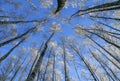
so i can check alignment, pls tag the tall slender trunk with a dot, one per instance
(17, 37)
(86, 64)
(107, 25)
(103, 7)
(16, 65)
(106, 40)
(108, 58)
(104, 49)
(17, 70)
(101, 17)
(76, 70)
(16, 22)
(53, 73)
(39, 62)
(23, 71)
(64, 60)
(35, 60)
(102, 65)
(9, 52)
(47, 65)
(61, 4)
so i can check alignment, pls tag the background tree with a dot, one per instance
(59, 40)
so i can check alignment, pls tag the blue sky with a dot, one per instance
(31, 13)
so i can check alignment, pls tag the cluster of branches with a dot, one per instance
(35, 72)
(99, 8)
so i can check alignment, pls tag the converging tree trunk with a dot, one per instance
(39, 62)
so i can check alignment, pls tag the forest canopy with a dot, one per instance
(59, 40)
